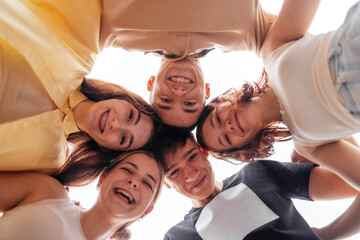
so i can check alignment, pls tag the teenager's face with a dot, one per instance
(178, 94)
(128, 190)
(117, 124)
(190, 172)
(230, 125)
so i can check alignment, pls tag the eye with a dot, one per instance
(123, 138)
(130, 115)
(127, 170)
(166, 100)
(191, 157)
(174, 172)
(218, 119)
(227, 139)
(189, 104)
(148, 185)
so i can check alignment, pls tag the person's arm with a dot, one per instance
(341, 157)
(325, 185)
(19, 188)
(292, 23)
(345, 225)
(296, 157)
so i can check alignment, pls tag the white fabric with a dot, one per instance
(55, 219)
(235, 212)
(300, 76)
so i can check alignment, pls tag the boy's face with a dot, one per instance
(190, 173)
(178, 92)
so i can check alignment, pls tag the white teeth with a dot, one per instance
(103, 121)
(180, 79)
(125, 194)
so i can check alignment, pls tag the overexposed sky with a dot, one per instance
(222, 71)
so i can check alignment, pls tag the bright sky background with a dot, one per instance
(222, 71)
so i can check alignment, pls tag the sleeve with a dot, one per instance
(292, 177)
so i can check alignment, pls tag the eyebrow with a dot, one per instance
(138, 118)
(183, 157)
(187, 110)
(137, 168)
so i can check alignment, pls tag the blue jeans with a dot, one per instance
(345, 60)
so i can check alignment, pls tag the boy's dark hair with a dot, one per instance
(168, 142)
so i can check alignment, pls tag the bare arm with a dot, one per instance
(325, 185)
(296, 157)
(19, 188)
(341, 157)
(346, 225)
(291, 24)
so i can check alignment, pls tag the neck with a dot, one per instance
(97, 223)
(200, 203)
(81, 112)
(269, 107)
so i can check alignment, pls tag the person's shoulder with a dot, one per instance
(45, 186)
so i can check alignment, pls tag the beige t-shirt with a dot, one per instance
(184, 27)
(300, 75)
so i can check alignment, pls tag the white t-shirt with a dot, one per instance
(300, 76)
(55, 219)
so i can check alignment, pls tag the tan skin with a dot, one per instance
(178, 92)
(114, 124)
(231, 125)
(189, 169)
(141, 182)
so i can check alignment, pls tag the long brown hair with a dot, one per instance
(88, 158)
(262, 145)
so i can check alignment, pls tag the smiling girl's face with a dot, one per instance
(128, 190)
(116, 124)
(230, 125)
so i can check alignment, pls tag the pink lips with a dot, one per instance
(238, 123)
(199, 183)
(124, 196)
(103, 120)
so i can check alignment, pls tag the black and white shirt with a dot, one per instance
(255, 203)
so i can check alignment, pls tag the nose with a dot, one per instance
(229, 127)
(191, 174)
(178, 90)
(132, 182)
(115, 124)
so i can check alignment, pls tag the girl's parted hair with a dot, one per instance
(262, 145)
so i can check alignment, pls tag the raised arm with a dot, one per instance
(19, 188)
(341, 157)
(325, 185)
(292, 23)
(346, 225)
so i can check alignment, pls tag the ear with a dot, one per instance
(101, 179)
(150, 83)
(207, 90)
(149, 210)
(206, 153)
(167, 185)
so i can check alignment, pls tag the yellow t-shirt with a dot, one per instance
(46, 48)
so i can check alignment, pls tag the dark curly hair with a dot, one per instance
(262, 145)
